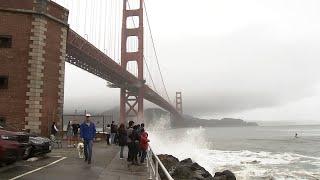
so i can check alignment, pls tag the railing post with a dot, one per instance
(156, 173)
(149, 165)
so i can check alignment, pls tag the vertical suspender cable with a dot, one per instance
(85, 17)
(154, 48)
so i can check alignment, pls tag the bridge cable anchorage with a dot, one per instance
(154, 48)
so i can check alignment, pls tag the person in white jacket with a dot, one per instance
(108, 132)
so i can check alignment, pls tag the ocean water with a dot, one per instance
(250, 152)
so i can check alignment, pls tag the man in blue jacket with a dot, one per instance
(87, 134)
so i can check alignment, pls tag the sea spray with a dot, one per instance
(191, 143)
(247, 164)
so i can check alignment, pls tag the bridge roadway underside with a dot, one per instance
(87, 57)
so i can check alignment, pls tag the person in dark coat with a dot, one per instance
(129, 141)
(136, 145)
(122, 137)
(113, 132)
(54, 129)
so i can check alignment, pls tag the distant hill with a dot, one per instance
(190, 121)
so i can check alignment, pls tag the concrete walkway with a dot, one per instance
(120, 169)
(106, 165)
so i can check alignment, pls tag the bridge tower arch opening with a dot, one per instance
(131, 98)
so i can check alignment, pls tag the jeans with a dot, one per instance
(121, 151)
(143, 155)
(112, 137)
(88, 149)
(108, 139)
(130, 152)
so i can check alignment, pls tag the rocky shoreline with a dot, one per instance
(189, 170)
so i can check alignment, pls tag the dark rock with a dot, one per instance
(224, 175)
(188, 170)
(182, 172)
(170, 162)
(186, 161)
(201, 170)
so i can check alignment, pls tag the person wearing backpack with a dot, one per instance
(135, 144)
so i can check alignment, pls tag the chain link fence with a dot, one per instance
(101, 121)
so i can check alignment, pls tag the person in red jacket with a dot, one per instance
(144, 144)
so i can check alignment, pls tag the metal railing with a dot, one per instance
(153, 163)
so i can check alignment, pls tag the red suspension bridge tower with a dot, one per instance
(131, 102)
(179, 102)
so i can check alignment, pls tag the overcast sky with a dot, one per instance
(250, 59)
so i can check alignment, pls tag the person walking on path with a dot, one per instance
(144, 144)
(129, 141)
(87, 134)
(69, 133)
(108, 132)
(113, 132)
(75, 128)
(122, 133)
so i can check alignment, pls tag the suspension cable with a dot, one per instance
(154, 48)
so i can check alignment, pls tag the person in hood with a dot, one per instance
(144, 144)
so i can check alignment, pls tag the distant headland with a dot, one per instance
(190, 121)
(153, 114)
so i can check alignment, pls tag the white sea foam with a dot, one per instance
(192, 143)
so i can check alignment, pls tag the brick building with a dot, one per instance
(33, 37)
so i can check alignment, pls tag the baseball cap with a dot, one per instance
(88, 115)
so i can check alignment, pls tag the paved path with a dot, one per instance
(106, 165)
(121, 170)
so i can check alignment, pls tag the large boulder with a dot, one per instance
(189, 170)
(170, 162)
(224, 175)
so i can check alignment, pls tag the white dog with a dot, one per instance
(80, 148)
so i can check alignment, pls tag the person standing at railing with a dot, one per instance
(129, 141)
(144, 144)
(122, 134)
(136, 144)
(140, 128)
